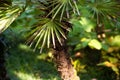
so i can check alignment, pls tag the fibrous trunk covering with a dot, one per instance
(64, 65)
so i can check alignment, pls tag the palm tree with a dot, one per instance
(51, 33)
(53, 26)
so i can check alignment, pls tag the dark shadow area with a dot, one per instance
(3, 72)
(90, 58)
(23, 64)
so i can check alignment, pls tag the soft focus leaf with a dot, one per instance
(113, 60)
(115, 69)
(95, 44)
(115, 41)
(86, 24)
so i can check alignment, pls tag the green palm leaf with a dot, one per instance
(46, 35)
(7, 16)
(103, 9)
(61, 7)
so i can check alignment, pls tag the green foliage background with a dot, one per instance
(98, 58)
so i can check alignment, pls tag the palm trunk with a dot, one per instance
(64, 65)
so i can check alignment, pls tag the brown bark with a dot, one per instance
(64, 65)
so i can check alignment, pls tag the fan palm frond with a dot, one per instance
(103, 8)
(47, 32)
(63, 6)
(7, 16)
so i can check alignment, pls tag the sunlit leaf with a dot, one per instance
(86, 24)
(7, 16)
(106, 63)
(111, 65)
(95, 44)
(113, 60)
(115, 69)
(115, 41)
(78, 66)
